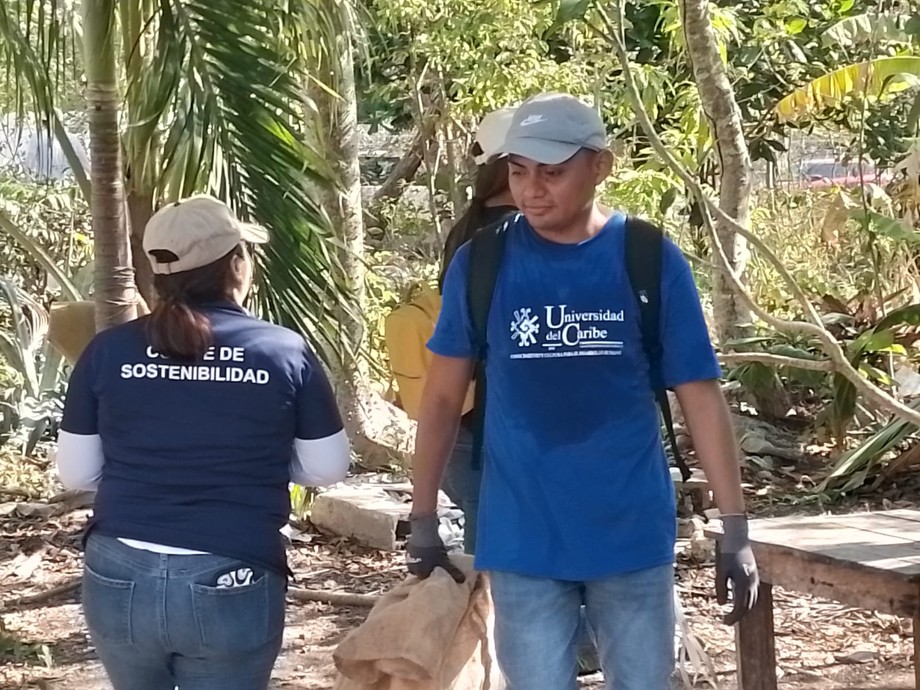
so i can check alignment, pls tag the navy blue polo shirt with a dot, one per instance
(197, 455)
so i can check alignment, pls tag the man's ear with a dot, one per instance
(603, 163)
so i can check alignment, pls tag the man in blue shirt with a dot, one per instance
(577, 503)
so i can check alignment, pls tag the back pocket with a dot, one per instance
(107, 607)
(233, 620)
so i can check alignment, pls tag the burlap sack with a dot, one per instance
(424, 635)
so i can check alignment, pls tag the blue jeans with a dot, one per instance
(461, 484)
(632, 616)
(158, 621)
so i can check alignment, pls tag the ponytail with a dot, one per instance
(461, 233)
(179, 331)
(491, 181)
(178, 327)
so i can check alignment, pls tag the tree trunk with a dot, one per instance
(140, 209)
(375, 427)
(408, 165)
(722, 111)
(454, 174)
(115, 294)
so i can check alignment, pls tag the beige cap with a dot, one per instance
(199, 230)
(491, 133)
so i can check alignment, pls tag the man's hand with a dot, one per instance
(426, 551)
(735, 563)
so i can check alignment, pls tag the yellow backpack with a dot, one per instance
(407, 329)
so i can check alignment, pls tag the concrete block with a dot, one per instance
(366, 513)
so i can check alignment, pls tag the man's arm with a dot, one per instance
(709, 422)
(710, 426)
(439, 418)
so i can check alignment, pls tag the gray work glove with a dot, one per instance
(425, 549)
(735, 563)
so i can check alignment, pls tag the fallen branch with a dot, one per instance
(333, 598)
(305, 595)
(736, 358)
(830, 345)
(42, 597)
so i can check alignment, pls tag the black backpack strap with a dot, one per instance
(486, 250)
(644, 243)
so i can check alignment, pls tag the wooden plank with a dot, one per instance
(829, 535)
(755, 645)
(882, 523)
(903, 514)
(882, 544)
(849, 583)
(896, 556)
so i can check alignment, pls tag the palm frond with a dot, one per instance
(27, 336)
(228, 99)
(37, 42)
(41, 256)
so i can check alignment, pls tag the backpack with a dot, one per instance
(644, 243)
(406, 331)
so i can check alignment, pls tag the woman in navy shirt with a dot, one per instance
(190, 423)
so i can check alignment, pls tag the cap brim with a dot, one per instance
(255, 234)
(486, 158)
(541, 150)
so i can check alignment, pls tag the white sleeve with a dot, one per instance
(322, 461)
(79, 460)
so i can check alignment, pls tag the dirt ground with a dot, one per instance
(45, 645)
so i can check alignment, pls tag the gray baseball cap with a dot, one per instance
(550, 128)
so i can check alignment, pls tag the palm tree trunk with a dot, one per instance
(115, 294)
(718, 100)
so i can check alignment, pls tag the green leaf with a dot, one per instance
(887, 226)
(905, 316)
(796, 25)
(872, 78)
(30, 326)
(787, 350)
(863, 28)
(45, 260)
(843, 405)
(568, 11)
(872, 340)
(876, 374)
(736, 343)
(913, 27)
(571, 9)
(871, 451)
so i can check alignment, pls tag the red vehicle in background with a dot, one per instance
(823, 173)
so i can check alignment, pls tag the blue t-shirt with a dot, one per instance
(576, 484)
(197, 455)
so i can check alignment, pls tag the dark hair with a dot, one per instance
(177, 327)
(491, 181)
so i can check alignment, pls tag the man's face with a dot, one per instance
(553, 197)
